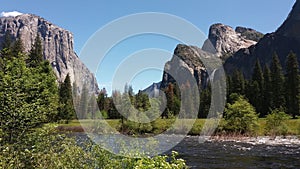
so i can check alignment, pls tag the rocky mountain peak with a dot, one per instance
(57, 44)
(225, 40)
(281, 42)
(291, 26)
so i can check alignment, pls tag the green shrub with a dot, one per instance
(45, 148)
(275, 123)
(240, 118)
(131, 127)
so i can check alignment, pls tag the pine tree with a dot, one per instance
(66, 109)
(292, 85)
(17, 47)
(36, 53)
(28, 98)
(267, 92)
(170, 96)
(205, 101)
(7, 41)
(258, 75)
(5, 52)
(277, 83)
(101, 99)
(255, 94)
(142, 101)
(238, 82)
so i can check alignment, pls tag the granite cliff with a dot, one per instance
(57, 44)
(223, 40)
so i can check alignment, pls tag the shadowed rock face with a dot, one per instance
(225, 40)
(249, 33)
(153, 90)
(282, 42)
(187, 58)
(57, 45)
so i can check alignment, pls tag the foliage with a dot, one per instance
(240, 117)
(44, 147)
(293, 85)
(28, 95)
(256, 87)
(66, 108)
(28, 98)
(275, 123)
(278, 95)
(205, 101)
(267, 92)
(36, 53)
(173, 102)
(238, 82)
(7, 42)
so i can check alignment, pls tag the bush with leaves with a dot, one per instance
(46, 148)
(275, 123)
(240, 117)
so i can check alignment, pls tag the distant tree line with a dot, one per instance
(269, 88)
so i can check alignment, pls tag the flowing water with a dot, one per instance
(226, 154)
(237, 155)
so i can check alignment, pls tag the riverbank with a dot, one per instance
(161, 125)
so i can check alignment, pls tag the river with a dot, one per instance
(237, 155)
(230, 154)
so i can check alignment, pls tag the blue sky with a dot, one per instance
(84, 18)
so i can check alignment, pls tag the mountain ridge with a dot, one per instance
(284, 40)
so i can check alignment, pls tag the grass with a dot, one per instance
(161, 125)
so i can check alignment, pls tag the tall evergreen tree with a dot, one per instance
(101, 99)
(258, 74)
(173, 103)
(66, 109)
(142, 101)
(7, 41)
(36, 53)
(205, 102)
(292, 85)
(28, 98)
(267, 92)
(277, 83)
(238, 82)
(17, 47)
(256, 88)
(5, 52)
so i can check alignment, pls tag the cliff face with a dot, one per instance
(225, 40)
(57, 45)
(153, 90)
(186, 57)
(281, 42)
(249, 33)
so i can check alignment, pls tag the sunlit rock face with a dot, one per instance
(57, 44)
(225, 40)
